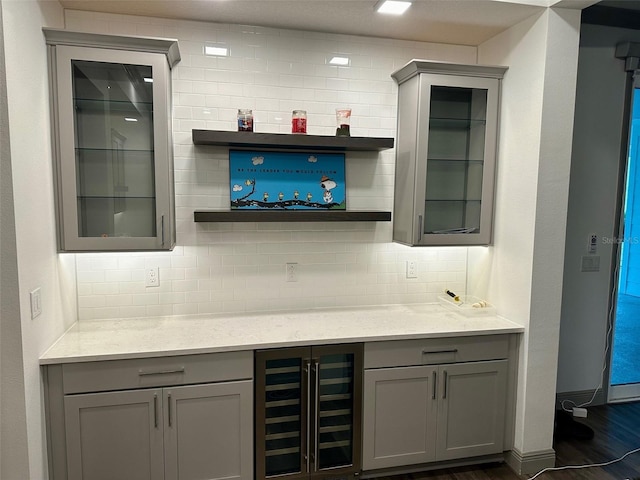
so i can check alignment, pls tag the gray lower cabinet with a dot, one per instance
(454, 406)
(171, 427)
(114, 435)
(399, 421)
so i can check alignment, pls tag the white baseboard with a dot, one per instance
(529, 463)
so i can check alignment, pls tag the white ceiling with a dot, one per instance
(464, 22)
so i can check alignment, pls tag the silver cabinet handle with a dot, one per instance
(435, 385)
(155, 410)
(169, 408)
(434, 352)
(143, 373)
(162, 228)
(419, 227)
(444, 384)
(307, 369)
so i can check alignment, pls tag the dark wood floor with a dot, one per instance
(617, 431)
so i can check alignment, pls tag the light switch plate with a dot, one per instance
(591, 263)
(35, 297)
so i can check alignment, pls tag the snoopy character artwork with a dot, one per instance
(287, 181)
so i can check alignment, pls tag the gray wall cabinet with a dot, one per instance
(111, 116)
(160, 430)
(445, 153)
(448, 401)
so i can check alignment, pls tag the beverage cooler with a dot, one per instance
(308, 412)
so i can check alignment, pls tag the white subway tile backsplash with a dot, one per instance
(240, 267)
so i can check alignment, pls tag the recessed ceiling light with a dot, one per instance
(216, 51)
(339, 61)
(393, 7)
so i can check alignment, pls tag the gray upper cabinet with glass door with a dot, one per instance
(445, 153)
(111, 112)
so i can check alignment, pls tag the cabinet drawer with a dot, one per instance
(435, 351)
(156, 372)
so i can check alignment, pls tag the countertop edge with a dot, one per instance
(59, 360)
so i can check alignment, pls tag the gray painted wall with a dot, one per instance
(597, 160)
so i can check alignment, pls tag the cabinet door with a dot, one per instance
(114, 160)
(399, 416)
(456, 159)
(337, 394)
(282, 422)
(209, 431)
(114, 435)
(308, 411)
(471, 410)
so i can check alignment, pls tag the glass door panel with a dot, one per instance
(308, 412)
(624, 372)
(335, 410)
(114, 149)
(283, 416)
(455, 160)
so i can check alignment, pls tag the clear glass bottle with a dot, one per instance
(299, 121)
(245, 120)
(343, 120)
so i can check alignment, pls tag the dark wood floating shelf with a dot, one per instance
(291, 216)
(285, 141)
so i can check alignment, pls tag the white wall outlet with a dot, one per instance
(291, 272)
(152, 277)
(412, 269)
(36, 302)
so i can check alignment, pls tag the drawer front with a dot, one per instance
(156, 372)
(434, 351)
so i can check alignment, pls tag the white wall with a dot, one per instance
(598, 147)
(219, 268)
(13, 435)
(533, 178)
(38, 264)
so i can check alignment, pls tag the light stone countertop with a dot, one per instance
(158, 337)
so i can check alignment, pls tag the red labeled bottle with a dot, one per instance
(299, 121)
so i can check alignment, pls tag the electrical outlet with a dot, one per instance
(36, 302)
(412, 269)
(152, 277)
(291, 272)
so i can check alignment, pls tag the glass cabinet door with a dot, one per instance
(308, 412)
(114, 171)
(455, 158)
(283, 416)
(446, 145)
(282, 398)
(113, 122)
(458, 168)
(335, 412)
